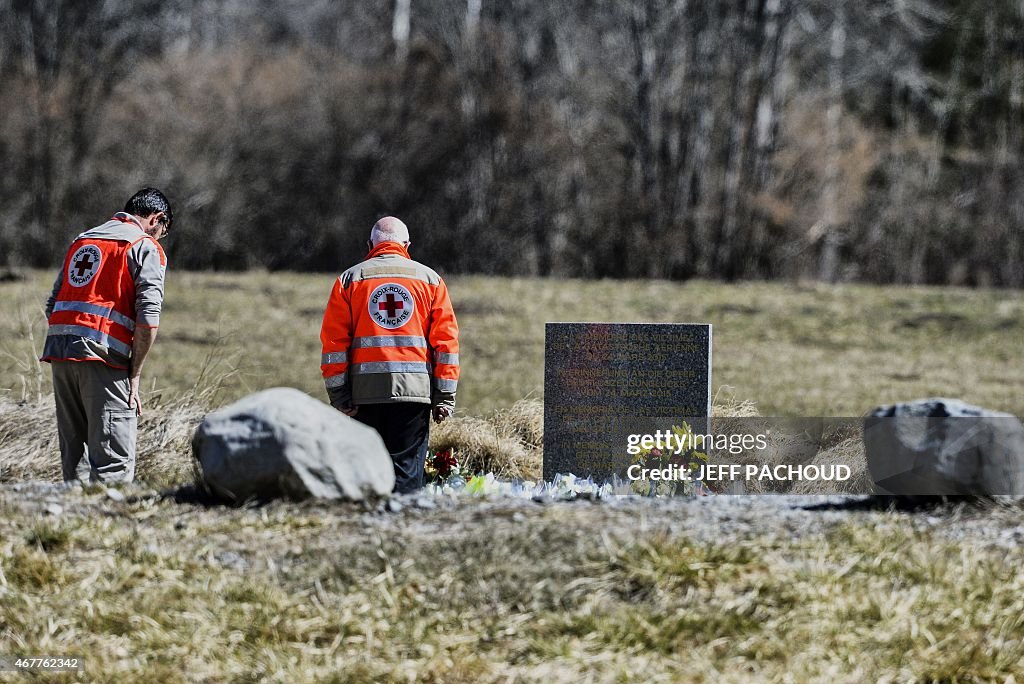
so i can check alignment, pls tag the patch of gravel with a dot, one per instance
(714, 519)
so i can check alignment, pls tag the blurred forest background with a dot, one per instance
(876, 140)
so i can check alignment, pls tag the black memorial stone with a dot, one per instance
(605, 381)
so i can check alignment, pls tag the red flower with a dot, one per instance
(444, 462)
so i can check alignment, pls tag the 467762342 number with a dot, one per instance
(41, 664)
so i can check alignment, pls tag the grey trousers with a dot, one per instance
(94, 420)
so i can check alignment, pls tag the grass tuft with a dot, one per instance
(32, 569)
(509, 443)
(48, 536)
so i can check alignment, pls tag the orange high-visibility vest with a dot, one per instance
(389, 331)
(97, 298)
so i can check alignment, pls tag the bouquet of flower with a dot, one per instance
(442, 466)
(689, 460)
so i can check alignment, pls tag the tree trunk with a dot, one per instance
(832, 237)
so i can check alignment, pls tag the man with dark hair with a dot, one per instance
(391, 348)
(147, 202)
(103, 315)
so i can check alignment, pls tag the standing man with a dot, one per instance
(103, 314)
(391, 348)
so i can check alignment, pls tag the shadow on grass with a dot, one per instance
(891, 502)
(197, 495)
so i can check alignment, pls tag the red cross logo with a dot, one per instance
(391, 305)
(83, 265)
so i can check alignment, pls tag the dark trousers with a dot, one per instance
(404, 427)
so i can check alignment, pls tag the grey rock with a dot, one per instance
(115, 495)
(283, 443)
(231, 559)
(934, 447)
(53, 508)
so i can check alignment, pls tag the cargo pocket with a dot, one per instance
(118, 445)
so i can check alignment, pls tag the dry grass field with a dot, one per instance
(793, 349)
(653, 591)
(726, 589)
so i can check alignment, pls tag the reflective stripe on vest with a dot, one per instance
(389, 341)
(336, 381)
(389, 367)
(333, 357)
(445, 385)
(95, 309)
(91, 334)
(450, 359)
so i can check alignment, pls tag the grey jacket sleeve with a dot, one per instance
(52, 299)
(148, 274)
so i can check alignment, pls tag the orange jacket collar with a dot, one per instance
(388, 248)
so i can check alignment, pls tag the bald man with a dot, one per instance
(390, 348)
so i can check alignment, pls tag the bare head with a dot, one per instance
(389, 229)
(152, 210)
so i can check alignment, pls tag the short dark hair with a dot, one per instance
(149, 201)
